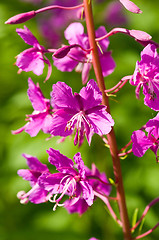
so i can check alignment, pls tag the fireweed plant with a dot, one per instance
(74, 186)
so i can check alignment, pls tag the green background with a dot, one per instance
(141, 175)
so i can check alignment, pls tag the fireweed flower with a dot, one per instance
(32, 59)
(71, 180)
(142, 141)
(81, 60)
(146, 75)
(42, 114)
(68, 181)
(82, 112)
(36, 194)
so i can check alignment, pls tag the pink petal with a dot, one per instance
(27, 36)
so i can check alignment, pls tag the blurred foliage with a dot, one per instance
(141, 176)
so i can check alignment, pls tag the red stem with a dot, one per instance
(122, 82)
(148, 232)
(57, 7)
(156, 200)
(106, 201)
(127, 145)
(111, 136)
(125, 153)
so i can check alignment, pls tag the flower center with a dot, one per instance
(77, 121)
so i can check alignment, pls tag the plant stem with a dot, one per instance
(111, 136)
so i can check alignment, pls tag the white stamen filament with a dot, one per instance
(80, 116)
(68, 182)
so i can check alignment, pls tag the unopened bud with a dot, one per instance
(130, 6)
(62, 52)
(21, 18)
(140, 35)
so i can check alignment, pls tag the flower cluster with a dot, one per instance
(74, 180)
(73, 185)
(79, 56)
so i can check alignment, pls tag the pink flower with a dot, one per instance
(32, 59)
(80, 112)
(81, 60)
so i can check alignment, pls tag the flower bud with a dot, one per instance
(62, 52)
(21, 18)
(130, 6)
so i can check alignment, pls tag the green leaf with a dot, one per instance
(134, 218)
(141, 225)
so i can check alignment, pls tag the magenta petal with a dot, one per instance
(140, 143)
(80, 164)
(152, 126)
(73, 33)
(27, 36)
(58, 125)
(34, 127)
(30, 60)
(91, 94)
(34, 164)
(80, 206)
(149, 51)
(19, 130)
(62, 96)
(101, 122)
(87, 191)
(36, 97)
(65, 64)
(51, 182)
(151, 102)
(107, 63)
(39, 195)
(59, 160)
(27, 175)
